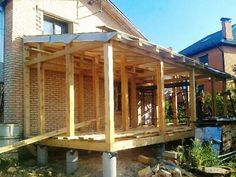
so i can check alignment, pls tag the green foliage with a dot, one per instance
(203, 155)
(7, 160)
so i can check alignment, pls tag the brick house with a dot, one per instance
(48, 17)
(217, 50)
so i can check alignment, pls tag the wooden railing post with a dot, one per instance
(193, 114)
(225, 100)
(213, 95)
(70, 96)
(124, 95)
(41, 98)
(160, 97)
(26, 96)
(109, 94)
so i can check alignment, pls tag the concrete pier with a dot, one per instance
(71, 161)
(42, 155)
(109, 164)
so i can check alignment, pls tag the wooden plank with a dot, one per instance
(134, 109)
(41, 137)
(124, 95)
(67, 50)
(96, 93)
(70, 96)
(138, 142)
(192, 87)
(109, 94)
(213, 95)
(26, 96)
(175, 106)
(160, 108)
(41, 98)
(225, 100)
(76, 144)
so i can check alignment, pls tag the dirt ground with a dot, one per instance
(90, 163)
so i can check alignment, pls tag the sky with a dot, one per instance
(177, 23)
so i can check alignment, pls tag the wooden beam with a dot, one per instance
(26, 97)
(41, 98)
(134, 110)
(160, 97)
(67, 50)
(96, 93)
(175, 106)
(109, 94)
(124, 95)
(213, 95)
(192, 87)
(76, 144)
(70, 96)
(40, 137)
(225, 100)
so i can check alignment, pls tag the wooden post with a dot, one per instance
(225, 100)
(134, 110)
(26, 97)
(175, 106)
(124, 95)
(70, 96)
(96, 93)
(192, 87)
(41, 98)
(160, 97)
(109, 94)
(213, 95)
(81, 97)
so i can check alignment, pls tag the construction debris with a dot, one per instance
(145, 160)
(146, 172)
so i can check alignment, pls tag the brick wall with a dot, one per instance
(26, 18)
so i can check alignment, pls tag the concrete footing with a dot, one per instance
(71, 161)
(109, 164)
(42, 155)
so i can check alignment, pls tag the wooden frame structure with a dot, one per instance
(112, 56)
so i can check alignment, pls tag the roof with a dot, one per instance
(150, 48)
(211, 41)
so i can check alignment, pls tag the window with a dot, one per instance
(204, 59)
(200, 88)
(54, 26)
(1, 34)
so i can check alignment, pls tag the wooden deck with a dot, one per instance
(123, 139)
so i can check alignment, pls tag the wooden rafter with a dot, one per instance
(67, 50)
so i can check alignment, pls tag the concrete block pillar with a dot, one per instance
(109, 164)
(160, 148)
(71, 161)
(42, 155)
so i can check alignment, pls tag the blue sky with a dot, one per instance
(177, 23)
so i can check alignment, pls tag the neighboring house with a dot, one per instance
(217, 50)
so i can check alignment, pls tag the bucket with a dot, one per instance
(10, 133)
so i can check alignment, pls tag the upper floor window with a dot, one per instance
(204, 59)
(54, 26)
(1, 33)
